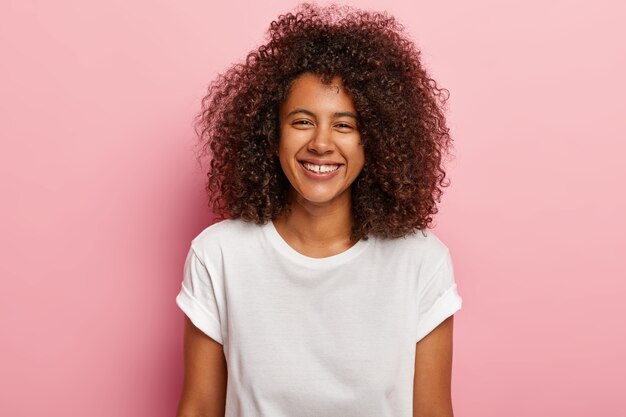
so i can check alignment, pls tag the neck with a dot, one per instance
(317, 231)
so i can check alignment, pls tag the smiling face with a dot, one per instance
(320, 147)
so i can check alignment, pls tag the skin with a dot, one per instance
(317, 123)
(433, 373)
(204, 384)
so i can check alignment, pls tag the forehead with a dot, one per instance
(308, 91)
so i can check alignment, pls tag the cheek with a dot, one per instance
(359, 157)
(288, 146)
(283, 151)
(285, 157)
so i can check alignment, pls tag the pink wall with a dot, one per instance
(101, 196)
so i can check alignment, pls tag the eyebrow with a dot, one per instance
(310, 113)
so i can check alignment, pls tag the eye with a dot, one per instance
(344, 127)
(302, 123)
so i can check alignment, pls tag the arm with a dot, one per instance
(433, 373)
(204, 386)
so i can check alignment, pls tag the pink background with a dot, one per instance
(102, 195)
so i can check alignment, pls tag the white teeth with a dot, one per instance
(320, 168)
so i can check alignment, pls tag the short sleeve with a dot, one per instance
(438, 297)
(197, 297)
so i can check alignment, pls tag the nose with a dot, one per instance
(322, 141)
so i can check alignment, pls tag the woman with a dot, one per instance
(321, 293)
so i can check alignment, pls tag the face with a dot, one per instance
(320, 147)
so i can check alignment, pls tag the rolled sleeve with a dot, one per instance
(438, 298)
(197, 298)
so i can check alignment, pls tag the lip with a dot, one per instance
(321, 175)
(316, 161)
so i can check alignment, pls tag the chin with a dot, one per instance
(319, 199)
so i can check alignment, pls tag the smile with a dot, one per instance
(319, 169)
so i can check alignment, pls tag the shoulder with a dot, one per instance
(225, 233)
(424, 242)
(423, 249)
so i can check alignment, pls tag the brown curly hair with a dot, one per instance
(399, 109)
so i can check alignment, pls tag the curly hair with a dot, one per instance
(399, 113)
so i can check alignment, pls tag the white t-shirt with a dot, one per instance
(317, 337)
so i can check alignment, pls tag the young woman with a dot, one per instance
(321, 292)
